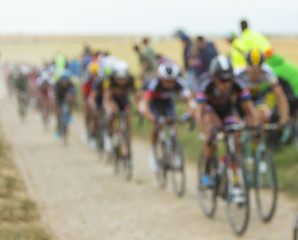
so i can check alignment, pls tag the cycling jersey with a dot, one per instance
(161, 98)
(259, 88)
(61, 91)
(119, 92)
(223, 105)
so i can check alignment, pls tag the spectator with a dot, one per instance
(147, 60)
(190, 72)
(206, 51)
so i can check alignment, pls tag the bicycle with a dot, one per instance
(64, 121)
(261, 172)
(45, 111)
(229, 181)
(101, 125)
(23, 104)
(169, 156)
(121, 148)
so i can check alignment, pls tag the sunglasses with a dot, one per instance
(224, 80)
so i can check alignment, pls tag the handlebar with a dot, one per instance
(239, 127)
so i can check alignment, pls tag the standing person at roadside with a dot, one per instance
(206, 52)
(190, 73)
(148, 61)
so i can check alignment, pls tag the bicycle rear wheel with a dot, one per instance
(265, 185)
(177, 170)
(207, 194)
(161, 156)
(238, 206)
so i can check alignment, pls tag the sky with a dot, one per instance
(139, 17)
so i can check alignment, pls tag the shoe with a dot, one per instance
(236, 195)
(152, 161)
(207, 181)
(93, 145)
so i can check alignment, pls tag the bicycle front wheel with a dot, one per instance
(177, 170)
(237, 195)
(126, 156)
(207, 193)
(265, 185)
(161, 156)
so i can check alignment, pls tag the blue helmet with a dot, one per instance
(65, 75)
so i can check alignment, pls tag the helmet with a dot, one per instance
(221, 67)
(65, 75)
(255, 58)
(120, 69)
(93, 67)
(24, 69)
(168, 71)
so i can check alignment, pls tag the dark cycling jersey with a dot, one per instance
(259, 88)
(61, 91)
(223, 105)
(155, 91)
(161, 98)
(121, 91)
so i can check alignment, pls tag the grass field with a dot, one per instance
(37, 49)
(19, 217)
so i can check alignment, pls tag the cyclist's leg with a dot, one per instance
(210, 119)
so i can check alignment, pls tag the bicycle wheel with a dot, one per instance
(126, 156)
(207, 194)
(114, 156)
(237, 195)
(265, 185)
(161, 156)
(100, 135)
(177, 169)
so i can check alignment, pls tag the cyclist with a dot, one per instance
(217, 100)
(260, 80)
(116, 89)
(92, 77)
(158, 101)
(45, 94)
(21, 83)
(64, 91)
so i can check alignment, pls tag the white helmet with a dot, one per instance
(25, 70)
(168, 71)
(120, 69)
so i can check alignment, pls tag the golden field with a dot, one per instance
(37, 49)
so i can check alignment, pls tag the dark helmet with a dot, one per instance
(221, 67)
(255, 58)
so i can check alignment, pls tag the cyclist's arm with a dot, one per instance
(107, 96)
(283, 105)
(250, 112)
(91, 99)
(147, 112)
(199, 112)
